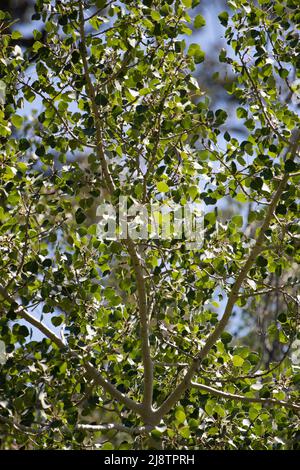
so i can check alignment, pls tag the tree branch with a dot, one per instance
(65, 124)
(115, 426)
(215, 335)
(92, 96)
(19, 427)
(23, 313)
(231, 396)
(144, 328)
(80, 426)
(138, 269)
(91, 371)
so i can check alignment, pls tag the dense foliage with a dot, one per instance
(125, 343)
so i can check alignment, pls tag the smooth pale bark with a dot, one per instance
(242, 398)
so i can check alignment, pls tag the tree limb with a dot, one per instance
(138, 269)
(242, 398)
(115, 426)
(80, 426)
(215, 335)
(91, 371)
(19, 427)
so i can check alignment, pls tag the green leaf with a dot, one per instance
(180, 415)
(241, 113)
(187, 3)
(223, 17)
(237, 361)
(17, 120)
(237, 220)
(31, 266)
(199, 22)
(257, 183)
(36, 46)
(290, 165)
(220, 411)
(226, 337)
(80, 216)
(162, 187)
(193, 191)
(196, 52)
(56, 321)
(282, 318)
(227, 136)
(241, 197)
(185, 432)
(101, 3)
(155, 15)
(23, 331)
(107, 446)
(16, 35)
(261, 261)
(101, 100)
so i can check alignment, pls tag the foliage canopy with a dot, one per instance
(133, 335)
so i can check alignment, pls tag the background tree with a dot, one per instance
(150, 350)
